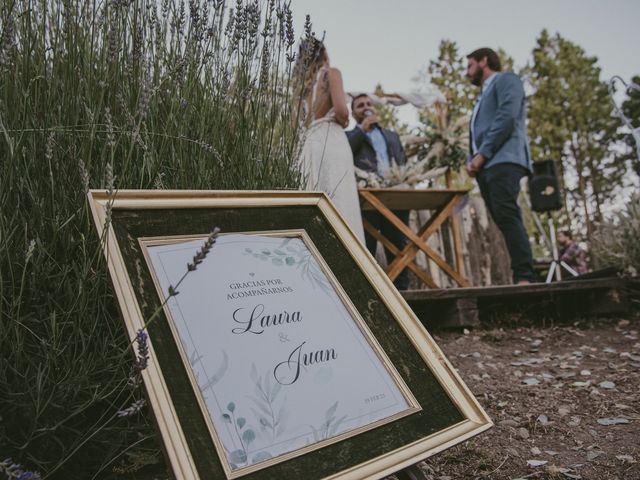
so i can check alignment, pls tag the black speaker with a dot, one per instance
(544, 187)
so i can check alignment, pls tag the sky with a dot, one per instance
(390, 41)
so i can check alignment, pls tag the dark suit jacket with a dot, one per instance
(364, 156)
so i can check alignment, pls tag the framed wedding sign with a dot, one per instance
(286, 352)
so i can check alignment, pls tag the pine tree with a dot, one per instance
(447, 73)
(445, 125)
(631, 110)
(388, 115)
(570, 120)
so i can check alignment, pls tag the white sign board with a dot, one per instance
(283, 362)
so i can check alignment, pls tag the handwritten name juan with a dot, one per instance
(288, 372)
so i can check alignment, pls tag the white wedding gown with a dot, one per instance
(327, 163)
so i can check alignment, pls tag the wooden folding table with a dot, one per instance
(442, 203)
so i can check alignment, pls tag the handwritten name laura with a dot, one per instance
(256, 320)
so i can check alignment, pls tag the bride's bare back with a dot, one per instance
(327, 97)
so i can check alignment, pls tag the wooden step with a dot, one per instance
(558, 301)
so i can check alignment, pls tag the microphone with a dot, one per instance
(368, 113)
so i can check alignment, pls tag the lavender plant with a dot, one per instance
(15, 471)
(116, 94)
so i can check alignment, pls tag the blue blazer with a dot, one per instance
(500, 124)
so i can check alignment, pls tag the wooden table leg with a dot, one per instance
(418, 241)
(435, 222)
(421, 274)
(457, 244)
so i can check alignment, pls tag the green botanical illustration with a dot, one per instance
(329, 426)
(238, 457)
(294, 254)
(272, 419)
(212, 380)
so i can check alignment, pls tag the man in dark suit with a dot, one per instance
(374, 149)
(499, 153)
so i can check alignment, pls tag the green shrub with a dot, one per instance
(114, 94)
(617, 243)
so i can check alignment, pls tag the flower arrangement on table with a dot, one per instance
(413, 174)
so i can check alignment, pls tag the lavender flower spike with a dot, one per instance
(14, 471)
(143, 349)
(132, 409)
(204, 251)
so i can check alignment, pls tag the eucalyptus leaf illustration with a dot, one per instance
(300, 257)
(245, 436)
(248, 436)
(284, 255)
(261, 457)
(238, 456)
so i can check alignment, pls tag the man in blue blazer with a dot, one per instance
(499, 153)
(374, 149)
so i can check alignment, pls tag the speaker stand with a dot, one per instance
(556, 265)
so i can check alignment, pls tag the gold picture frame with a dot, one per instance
(442, 412)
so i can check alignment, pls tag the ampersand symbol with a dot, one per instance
(283, 337)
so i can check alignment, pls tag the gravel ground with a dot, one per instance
(565, 402)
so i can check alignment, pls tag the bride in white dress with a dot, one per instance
(326, 157)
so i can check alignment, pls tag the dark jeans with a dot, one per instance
(500, 185)
(386, 228)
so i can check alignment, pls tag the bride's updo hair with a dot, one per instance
(312, 55)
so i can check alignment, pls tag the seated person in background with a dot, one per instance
(571, 253)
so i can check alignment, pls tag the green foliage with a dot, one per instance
(112, 95)
(506, 60)
(631, 110)
(571, 122)
(445, 126)
(616, 243)
(389, 116)
(447, 74)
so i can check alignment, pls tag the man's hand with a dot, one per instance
(475, 165)
(369, 121)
